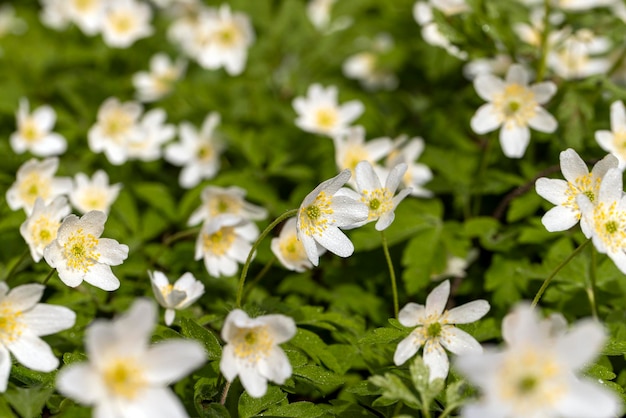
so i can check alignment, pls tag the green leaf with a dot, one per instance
(320, 378)
(296, 409)
(394, 389)
(191, 329)
(600, 372)
(315, 347)
(5, 409)
(419, 257)
(249, 406)
(158, 196)
(523, 206)
(28, 402)
(614, 348)
(383, 336)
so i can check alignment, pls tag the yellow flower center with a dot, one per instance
(124, 378)
(84, 5)
(379, 202)
(44, 230)
(252, 344)
(122, 22)
(94, 199)
(10, 324)
(516, 104)
(224, 203)
(619, 141)
(354, 155)
(326, 118)
(314, 218)
(586, 184)
(34, 185)
(292, 249)
(220, 241)
(116, 124)
(80, 251)
(205, 151)
(610, 226)
(30, 132)
(228, 35)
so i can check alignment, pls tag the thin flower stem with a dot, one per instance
(266, 231)
(258, 278)
(17, 263)
(558, 268)
(225, 393)
(591, 289)
(543, 58)
(425, 411)
(49, 276)
(392, 274)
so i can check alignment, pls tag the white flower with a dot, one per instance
(125, 376)
(125, 21)
(582, 5)
(536, 374)
(423, 15)
(351, 148)
(36, 179)
(117, 125)
(34, 132)
(23, 321)
(252, 352)
(379, 200)
(321, 214)
(86, 14)
(224, 242)
(217, 201)
(497, 65)
(290, 250)
(154, 133)
(78, 253)
(94, 194)
(513, 106)
(604, 218)
(157, 83)
(614, 141)
(436, 331)
(367, 66)
(54, 14)
(564, 193)
(416, 174)
(185, 291)
(576, 56)
(198, 152)
(319, 13)
(9, 22)
(320, 113)
(41, 226)
(229, 35)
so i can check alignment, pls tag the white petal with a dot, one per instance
(228, 363)
(111, 252)
(559, 218)
(253, 382)
(46, 319)
(169, 361)
(101, 276)
(605, 140)
(604, 165)
(170, 314)
(25, 296)
(543, 121)
(543, 91)
(618, 116)
(553, 190)
(336, 242)
(581, 344)
(347, 212)
(485, 119)
(33, 352)
(155, 402)
(436, 359)
(406, 349)
(5, 368)
(468, 312)
(310, 247)
(572, 166)
(590, 400)
(611, 188)
(514, 140)
(517, 74)
(459, 342)
(437, 299)
(487, 86)
(411, 315)
(366, 178)
(275, 367)
(282, 328)
(82, 383)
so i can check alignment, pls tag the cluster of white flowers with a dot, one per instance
(120, 22)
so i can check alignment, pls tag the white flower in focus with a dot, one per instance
(380, 201)
(577, 56)
(126, 21)
(217, 201)
(117, 125)
(228, 35)
(125, 376)
(78, 253)
(34, 132)
(87, 14)
(536, 374)
(94, 194)
(614, 141)
(185, 291)
(289, 249)
(252, 351)
(36, 179)
(224, 242)
(351, 148)
(320, 113)
(435, 330)
(321, 214)
(152, 86)
(198, 152)
(416, 174)
(513, 107)
(23, 321)
(154, 133)
(564, 193)
(604, 218)
(41, 226)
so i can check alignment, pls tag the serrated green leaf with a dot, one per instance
(614, 348)
(191, 329)
(394, 389)
(249, 406)
(383, 336)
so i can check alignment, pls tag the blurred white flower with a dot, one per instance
(94, 194)
(87, 14)
(116, 127)
(224, 242)
(368, 68)
(577, 55)
(185, 291)
(603, 219)
(513, 106)
(380, 201)
(423, 15)
(159, 81)
(217, 201)
(416, 174)
(125, 376)
(126, 21)
(289, 249)
(351, 148)
(564, 193)
(54, 14)
(23, 322)
(613, 141)
(252, 351)
(41, 226)
(9, 22)
(319, 13)
(320, 113)
(322, 213)
(34, 131)
(36, 179)
(582, 5)
(536, 374)
(435, 330)
(78, 253)
(154, 133)
(198, 151)
(497, 65)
